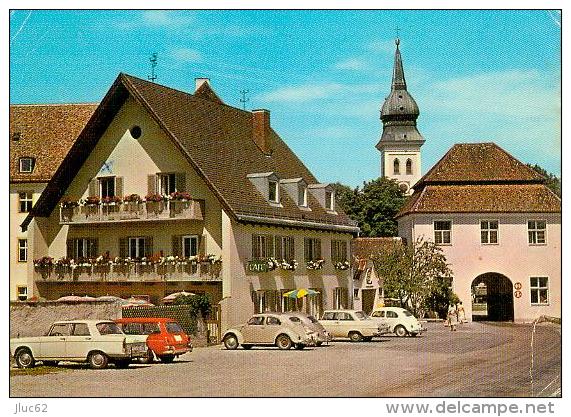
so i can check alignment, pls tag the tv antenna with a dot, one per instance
(153, 60)
(244, 100)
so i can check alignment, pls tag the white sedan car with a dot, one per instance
(400, 321)
(96, 342)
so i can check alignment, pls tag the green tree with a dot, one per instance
(373, 207)
(553, 181)
(412, 273)
(198, 303)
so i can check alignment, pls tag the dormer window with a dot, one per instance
(302, 197)
(273, 191)
(325, 194)
(27, 164)
(268, 184)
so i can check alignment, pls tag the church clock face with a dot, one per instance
(404, 187)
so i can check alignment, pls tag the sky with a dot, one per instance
(477, 75)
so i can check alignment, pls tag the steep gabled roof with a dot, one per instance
(481, 178)
(216, 140)
(45, 132)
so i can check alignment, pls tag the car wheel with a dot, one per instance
(123, 363)
(98, 360)
(166, 358)
(283, 342)
(231, 342)
(247, 347)
(24, 359)
(50, 363)
(400, 331)
(414, 334)
(148, 358)
(368, 338)
(355, 336)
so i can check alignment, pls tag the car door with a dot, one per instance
(331, 323)
(271, 330)
(53, 345)
(379, 316)
(253, 329)
(79, 342)
(346, 323)
(392, 319)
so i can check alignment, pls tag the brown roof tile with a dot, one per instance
(46, 133)
(489, 198)
(365, 247)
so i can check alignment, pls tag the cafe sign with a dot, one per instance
(258, 266)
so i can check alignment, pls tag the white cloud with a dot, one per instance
(310, 92)
(354, 64)
(186, 55)
(387, 47)
(157, 19)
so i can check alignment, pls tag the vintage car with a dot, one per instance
(165, 337)
(400, 321)
(354, 324)
(268, 329)
(312, 323)
(96, 342)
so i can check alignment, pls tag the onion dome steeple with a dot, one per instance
(399, 111)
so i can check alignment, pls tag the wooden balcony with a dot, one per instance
(129, 211)
(134, 272)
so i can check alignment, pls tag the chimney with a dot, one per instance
(261, 130)
(199, 81)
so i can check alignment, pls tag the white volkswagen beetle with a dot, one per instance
(400, 321)
(96, 342)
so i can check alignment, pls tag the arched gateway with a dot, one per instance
(492, 298)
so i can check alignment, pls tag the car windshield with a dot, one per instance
(312, 319)
(407, 313)
(361, 315)
(295, 319)
(108, 328)
(173, 327)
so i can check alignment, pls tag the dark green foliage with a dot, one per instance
(373, 207)
(199, 303)
(552, 181)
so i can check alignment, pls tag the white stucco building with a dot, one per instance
(500, 228)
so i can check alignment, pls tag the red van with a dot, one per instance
(166, 339)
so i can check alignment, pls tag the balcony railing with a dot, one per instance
(134, 272)
(133, 211)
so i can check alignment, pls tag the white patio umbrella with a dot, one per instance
(171, 297)
(137, 302)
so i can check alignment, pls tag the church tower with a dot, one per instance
(400, 141)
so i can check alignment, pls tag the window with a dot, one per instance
(328, 315)
(189, 246)
(344, 316)
(392, 315)
(256, 321)
(442, 232)
(273, 193)
(536, 232)
(27, 164)
(338, 251)
(329, 200)
(272, 321)
(378, 313)
(340, 298)
(167, 183)
(285, 248)
(22, 250)
(137, 247)
(312, 249)
(396, 167)
(135, 132)
(489, 231)
(82, 248)
(60, 330)
(172, 327)
(25, 202)
(262, 246)
(22, 293)
(107, 187)
(80, 329)
(302, 197)
(539, 290)
(408, 167)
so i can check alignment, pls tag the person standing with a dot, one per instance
(461, 313)
(452, 317)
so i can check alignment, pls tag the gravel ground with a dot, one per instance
(479, 359)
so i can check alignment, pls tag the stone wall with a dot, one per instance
(35, 318)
